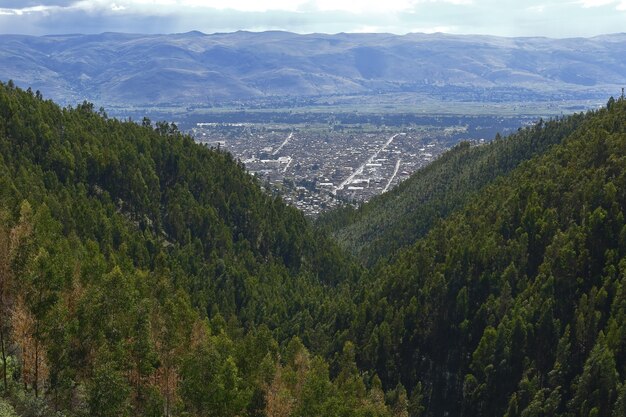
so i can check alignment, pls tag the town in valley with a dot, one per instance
(317, 167)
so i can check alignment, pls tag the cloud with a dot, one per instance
(378, 6)
(619, 4)
(29, 10)
(435, 29)
(351, 6)
(21, 4)
(540, 8)
(364, 6)
(559, 18)
(595, 3)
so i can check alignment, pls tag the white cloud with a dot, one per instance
(242, 5)
(556, 18)
(455, 2)
(350, 6)
(595, 3)
(364, 6)
(620, 5)
(368, 29)
(27, 10)
(377, 6)
(435, 29)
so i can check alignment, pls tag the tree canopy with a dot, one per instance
(144, 274)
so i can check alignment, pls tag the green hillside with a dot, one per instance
(514, 305)
(145, 275)
(398, 218)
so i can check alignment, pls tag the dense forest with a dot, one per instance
(144, 274)
(509, 301)
(395, 219)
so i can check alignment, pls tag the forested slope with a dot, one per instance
(515, 305)
(143, 274)
(398, 218)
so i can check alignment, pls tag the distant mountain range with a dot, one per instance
(195, 68)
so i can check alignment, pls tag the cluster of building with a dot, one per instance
(319, 168)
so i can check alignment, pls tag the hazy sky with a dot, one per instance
(561, 18)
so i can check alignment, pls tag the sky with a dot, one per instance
(558, 19)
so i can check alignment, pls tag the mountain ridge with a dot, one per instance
(196, 68)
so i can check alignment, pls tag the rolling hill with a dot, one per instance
(194, 68)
